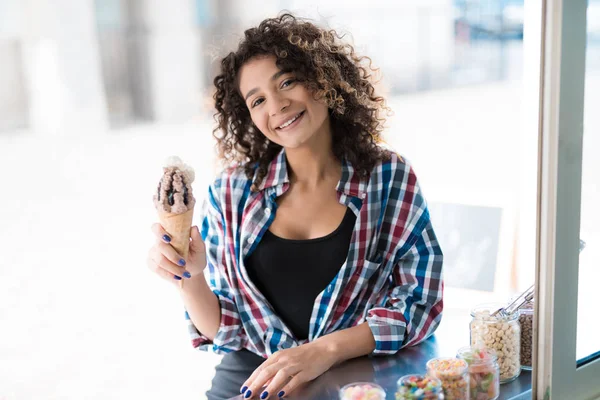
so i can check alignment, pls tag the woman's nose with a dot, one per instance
(279, 105)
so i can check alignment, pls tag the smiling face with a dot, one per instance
(280, 106)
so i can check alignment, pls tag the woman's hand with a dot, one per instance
(164, 260)
(286, 369)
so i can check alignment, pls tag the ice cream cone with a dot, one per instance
(178, 227)
(174, 202)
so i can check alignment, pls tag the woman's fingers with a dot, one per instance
(157, 262)
(166, 275)
(170, 254)
(274, 388)
(252, 378)
(259, 386)
(293, 384)
(163, 259)
(160, 233)
(154, 267)
(196, 245)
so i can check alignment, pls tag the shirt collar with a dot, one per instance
(351, 184)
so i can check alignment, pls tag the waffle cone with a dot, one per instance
(178, 227)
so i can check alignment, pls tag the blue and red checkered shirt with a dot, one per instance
(392, 277)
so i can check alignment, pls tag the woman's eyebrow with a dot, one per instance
(274, 77)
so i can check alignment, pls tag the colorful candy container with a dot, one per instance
(419, 387)
(362, 391)
(484, 372)
(454, 375)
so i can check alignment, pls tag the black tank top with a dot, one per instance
(292, 273)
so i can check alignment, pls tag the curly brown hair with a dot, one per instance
(328, 68)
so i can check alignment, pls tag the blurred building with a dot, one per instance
(76, 66)
(70, 66)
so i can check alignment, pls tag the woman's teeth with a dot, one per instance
(290, 121)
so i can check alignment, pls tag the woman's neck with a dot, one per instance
(313, 164)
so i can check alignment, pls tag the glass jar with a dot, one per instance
(526, 323)
(484, 372)
(362, 391)
(501, 334)
(454, 375)
(419, 387)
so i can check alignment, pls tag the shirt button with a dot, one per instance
(250, 240)
(363, 195)
(268, 211)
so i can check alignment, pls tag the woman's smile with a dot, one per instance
(291, 123)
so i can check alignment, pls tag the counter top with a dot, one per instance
(452, 334)
(385, 371)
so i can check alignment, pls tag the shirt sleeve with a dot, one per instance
(413, 309)
(231, 335)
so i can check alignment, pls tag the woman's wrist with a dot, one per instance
(347, 343)
(329, 347)
(201, 304)
(193, 285)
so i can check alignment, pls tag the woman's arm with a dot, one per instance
(213, 319)
(348, 343)
(202, 306)
(414, 304)
(308, 361)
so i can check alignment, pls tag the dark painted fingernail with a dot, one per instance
(243, 389)
(166, 238)
(187, 274)
(264, 395)
(181, 262)
(177, 278)
(281, 394)
(248, 394)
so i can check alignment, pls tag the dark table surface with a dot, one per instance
(385, 371)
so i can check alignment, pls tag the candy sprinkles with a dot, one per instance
(454, 375)
(419, 387)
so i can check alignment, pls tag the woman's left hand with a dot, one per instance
(286, 369)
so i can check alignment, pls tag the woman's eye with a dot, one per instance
(256, 102)
(287, 82)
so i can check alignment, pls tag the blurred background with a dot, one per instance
(97, 93)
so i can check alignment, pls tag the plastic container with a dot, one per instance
(501, 334)
(454, 375)
(484, 372)
(526, 323)
(362, 391)
(419, 387)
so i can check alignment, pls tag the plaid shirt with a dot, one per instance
(392, 277)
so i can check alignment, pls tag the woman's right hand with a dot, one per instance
(164, 260)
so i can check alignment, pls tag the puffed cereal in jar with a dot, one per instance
(526, 323)
(362, 391)
(484, 373)
(454, 375)
(419, 387)
(500, 333)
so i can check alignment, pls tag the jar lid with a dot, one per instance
(362, 391)
(418, 387)
(477, 355)
(484, 311)
(528, 305)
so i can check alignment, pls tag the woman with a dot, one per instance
(318, 244)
